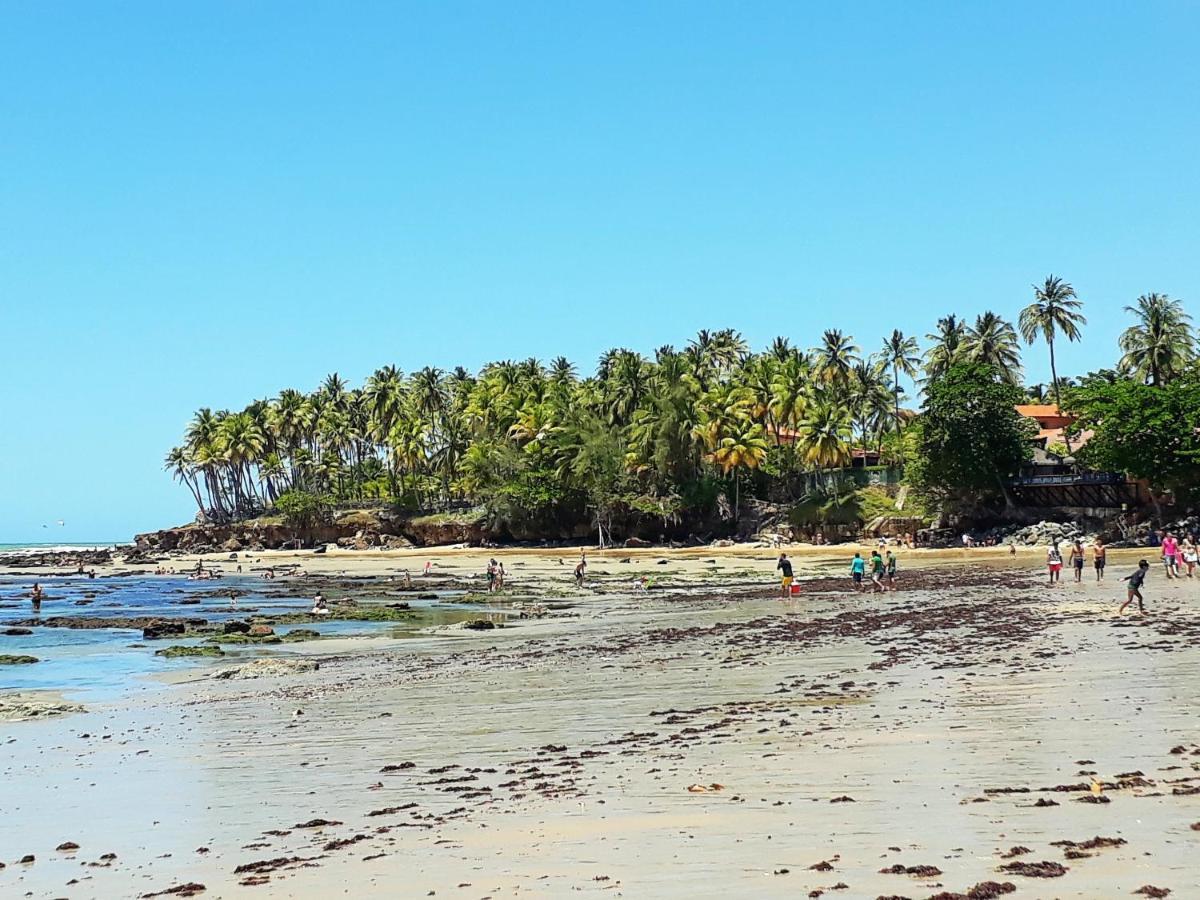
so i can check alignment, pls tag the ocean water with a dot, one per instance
(104, 663)
(56, 545)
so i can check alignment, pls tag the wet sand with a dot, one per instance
(834, 735)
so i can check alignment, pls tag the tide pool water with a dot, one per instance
(109, 662)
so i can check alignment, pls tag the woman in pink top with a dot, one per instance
(1170, 555)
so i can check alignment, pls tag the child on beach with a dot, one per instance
(858, 566)
(1188, 554)
(1135, 587)
(1054, 562)
(1077, 560)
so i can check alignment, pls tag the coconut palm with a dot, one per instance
(824, 436)
(946, 349)
(742, 447)
(1055, 310)
(993, 341)
(1161, 343)
(900, 353)
(835, 358)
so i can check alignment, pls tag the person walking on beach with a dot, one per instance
(1077, 560)
(1099, 554)
(499, 576)
(784, 568)
(876, 573)
(35, 597)
(491, 576)
(1170, 555)
(890, 570)
(858, 566)
(1054, 561)
(580, 572)
(1134, 591)
(1187, 553)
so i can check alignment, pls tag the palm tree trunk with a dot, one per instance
(1057, 392)
(896, 393)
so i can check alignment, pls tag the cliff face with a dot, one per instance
(358, 529)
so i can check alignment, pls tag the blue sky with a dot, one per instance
(201, 204)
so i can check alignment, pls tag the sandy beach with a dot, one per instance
(702, 738)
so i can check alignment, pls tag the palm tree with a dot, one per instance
(900, 353)
(947, 346)
(742, 447)
(993, 341)
(869, 394)
(835, 358)
(1055, 309)
(825, 435)
(180, 467)
(1161, 343)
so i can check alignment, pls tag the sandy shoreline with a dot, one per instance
(913, 705)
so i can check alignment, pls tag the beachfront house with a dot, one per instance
(1053, 478)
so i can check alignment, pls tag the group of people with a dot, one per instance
(495, 576)
(879, 572)
(1076, 559)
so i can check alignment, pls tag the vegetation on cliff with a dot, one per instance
(672, 437)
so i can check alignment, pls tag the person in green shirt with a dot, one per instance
(876, 573)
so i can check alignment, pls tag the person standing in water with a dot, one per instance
(1099, 554)
(1054, 561)
(858, 566)
(784, 568)
(35, 597)
(876, 573)
(890, 570)
(1077, 560)
(1134, 591)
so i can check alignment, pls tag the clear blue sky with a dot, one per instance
(203, 203)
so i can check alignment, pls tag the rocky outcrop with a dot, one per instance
(56, 559)
(16, 708)
(354, 529)
(269, 668)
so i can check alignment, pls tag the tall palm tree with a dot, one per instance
(825, 435)
(946, 349)
(1161, 342)
(180, 467)
(835, 357)
(742, 447)
(993, 341)
(900, 353)
(1055, 310)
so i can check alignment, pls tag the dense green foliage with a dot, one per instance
(302, 509)
(652, 443)
(970, 438)
(1148, 431)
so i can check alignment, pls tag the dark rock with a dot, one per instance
(159, 630)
